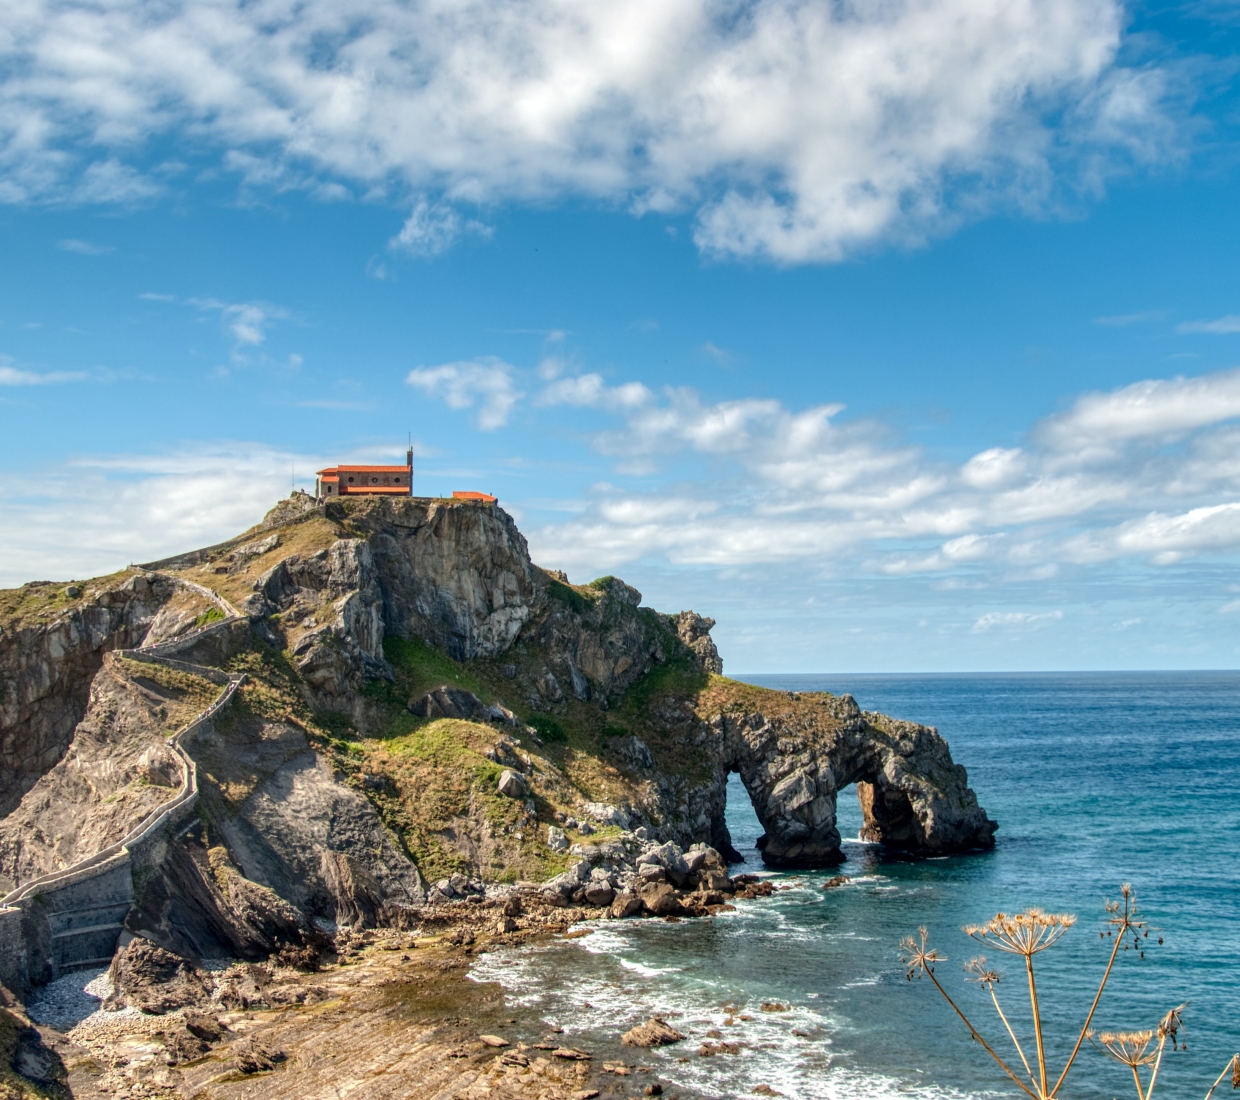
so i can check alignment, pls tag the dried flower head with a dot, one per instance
(980, 973)
(918, 957)
(1172, 1024)
(1024, 933)
(1235, 1071)
(1132, 1048)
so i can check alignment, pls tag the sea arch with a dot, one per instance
(912, 796)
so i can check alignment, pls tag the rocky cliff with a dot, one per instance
(423, 706)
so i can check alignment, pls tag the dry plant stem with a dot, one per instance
(976, 1035)
(1149, 1090)
(1037, 1023)
(1080, 1039)
(1015, 1041)
(1232, 1067)
(1137, 1078)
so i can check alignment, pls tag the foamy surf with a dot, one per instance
(733, 1044)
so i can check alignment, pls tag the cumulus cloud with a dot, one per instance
(487, 384)
(99, 513)
(796, 131)
(590, 391)
(1093, 484)
(245, 322)
(1145, 409)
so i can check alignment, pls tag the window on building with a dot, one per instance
(350, 481)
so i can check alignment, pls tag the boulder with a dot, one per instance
(655, 1032)
(625, 905)
(152, 980)
(662, 901)
(448, 702)
(599, 893)
(667, 856)
(556, 840)
(511, 784)
(606, 814)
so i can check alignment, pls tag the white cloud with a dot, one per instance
(486, 383)
(432, 228)
(110, 181)
(85, 248)
(995, 468)
(797, 131)
(98, 514)
(246, 322)
(1144, 409)
(17, 376)
(1220, 326)
(590, 391)
(1022, 620)
(1094, 484)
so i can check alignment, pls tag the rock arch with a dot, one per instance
(913, 797)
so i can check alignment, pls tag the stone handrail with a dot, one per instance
(188, 794)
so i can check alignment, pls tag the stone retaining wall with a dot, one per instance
(74, 917)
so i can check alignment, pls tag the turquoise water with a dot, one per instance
(1096, 779)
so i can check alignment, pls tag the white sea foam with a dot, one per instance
(647, 971)
(598, 986)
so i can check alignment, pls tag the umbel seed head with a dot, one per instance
(1023, 933)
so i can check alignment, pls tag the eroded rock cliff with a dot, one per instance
(333, 793)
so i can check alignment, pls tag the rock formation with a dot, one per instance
(424, 710)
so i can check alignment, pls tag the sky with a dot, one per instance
(894, 337)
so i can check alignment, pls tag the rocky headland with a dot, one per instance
(376, 726)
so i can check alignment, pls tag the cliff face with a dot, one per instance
(51, 647)
(342, 781)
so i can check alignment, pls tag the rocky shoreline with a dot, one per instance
(387, 1010)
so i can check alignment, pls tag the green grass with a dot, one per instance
(439, 743)
(419, 668)
(548, 728)
(679, 675)
(567, 595)
(212, 615)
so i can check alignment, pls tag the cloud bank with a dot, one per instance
(794, 130)
(1149, 472)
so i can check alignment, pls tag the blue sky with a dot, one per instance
(899, 338)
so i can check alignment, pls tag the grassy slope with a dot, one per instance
(41, 601)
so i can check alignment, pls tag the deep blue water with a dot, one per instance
(1096, 779)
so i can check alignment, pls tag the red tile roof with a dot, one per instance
(471, 495)
(365, 469)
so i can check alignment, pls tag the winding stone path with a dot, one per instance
(74, 917)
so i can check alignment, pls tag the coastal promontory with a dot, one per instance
(359, 710)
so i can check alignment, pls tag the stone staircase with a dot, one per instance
(74, 917)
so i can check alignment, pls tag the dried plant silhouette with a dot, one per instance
(1030, 933)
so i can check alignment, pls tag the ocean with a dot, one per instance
(1095, 778)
